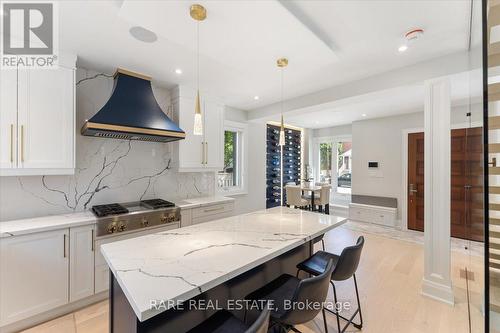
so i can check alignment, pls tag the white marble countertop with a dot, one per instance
(179, 264)
(45, 223)
(54, 222)
(201, 201)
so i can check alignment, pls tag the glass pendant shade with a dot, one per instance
(198, 124)
(282, 133)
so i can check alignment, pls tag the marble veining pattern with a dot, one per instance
(179, 264)
(107, 170)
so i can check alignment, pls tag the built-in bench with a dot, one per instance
(373, 209)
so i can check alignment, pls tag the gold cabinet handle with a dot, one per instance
(202, 152)
(206, 152)
(213, 209)
(11, 143)
(22, 143)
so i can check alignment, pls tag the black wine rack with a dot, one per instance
(291, 163)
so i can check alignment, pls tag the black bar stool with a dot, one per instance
(224, 322)
(310, 292)
(345, 268)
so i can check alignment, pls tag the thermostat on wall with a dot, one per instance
(373, 164)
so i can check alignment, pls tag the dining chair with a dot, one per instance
(324, 199)
(294, 196)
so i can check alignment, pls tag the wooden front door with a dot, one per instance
(466, 183)
(416, 181)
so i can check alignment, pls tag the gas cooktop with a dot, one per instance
(117, 209)
(130, 216)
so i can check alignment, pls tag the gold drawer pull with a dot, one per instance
(213, 209)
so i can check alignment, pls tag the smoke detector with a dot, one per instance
(410, 37)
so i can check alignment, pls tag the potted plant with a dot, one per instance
(307, 179)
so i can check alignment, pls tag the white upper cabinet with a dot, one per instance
(191, 149)
(199, 152)
(39, 106)
(8, 119)
(214, 135)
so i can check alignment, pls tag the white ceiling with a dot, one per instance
(328, 42)
(465, 88)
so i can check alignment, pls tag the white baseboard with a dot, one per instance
(52, 314)
(438, 291)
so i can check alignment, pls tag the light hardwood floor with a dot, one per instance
(389, 279)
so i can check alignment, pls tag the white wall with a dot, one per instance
(236, 114)
(256, 197)
(380, 140)
(332, 131)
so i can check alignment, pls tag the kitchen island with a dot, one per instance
(153, 278)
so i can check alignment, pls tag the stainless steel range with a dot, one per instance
(133, 216)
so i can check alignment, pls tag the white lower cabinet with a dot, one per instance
(206, 213)
(186, 217)
(34, 274)
(101, 268)
(81, 262)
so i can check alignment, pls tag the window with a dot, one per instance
(325, 162)
(230, 180)
(344, 153)
(332, 164)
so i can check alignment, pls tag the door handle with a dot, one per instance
(64, 246)
(412, 189)
(11, 143)
(92, 239)
(493, 162)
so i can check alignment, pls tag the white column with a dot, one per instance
(437, 246)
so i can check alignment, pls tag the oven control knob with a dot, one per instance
(163, 219)
(171, 217)
(122, 227)
(112, 228)
(144, 222)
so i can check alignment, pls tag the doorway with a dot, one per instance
(466, 183)
(332, 164)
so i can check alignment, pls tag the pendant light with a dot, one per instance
(198, 13)
(282, 63)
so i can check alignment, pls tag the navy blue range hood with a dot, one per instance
(132, 113)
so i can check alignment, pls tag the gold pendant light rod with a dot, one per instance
(198, 13)
(282, 63)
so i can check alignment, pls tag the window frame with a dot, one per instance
(334, 140)
(241, 159)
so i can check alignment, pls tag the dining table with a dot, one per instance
(312, 189)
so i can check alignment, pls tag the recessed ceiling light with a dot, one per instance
(143, 35)
(256, 98)
(178, 71)
(403, 48)
(363, 115)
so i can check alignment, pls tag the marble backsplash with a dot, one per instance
(107, 170)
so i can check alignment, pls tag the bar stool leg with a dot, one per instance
(335, 305)
(360, 325)
(324, 320)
